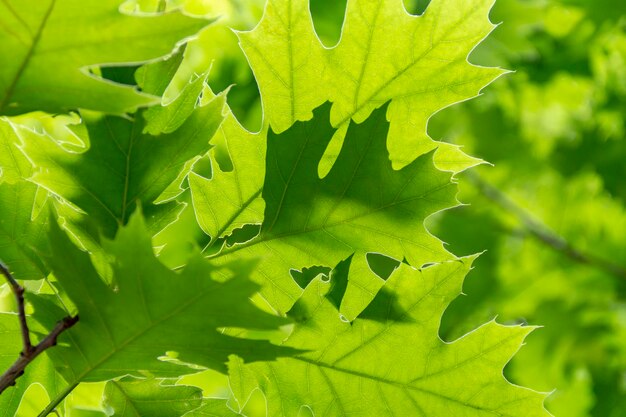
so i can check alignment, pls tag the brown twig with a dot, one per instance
(18, 291)
(29, 352)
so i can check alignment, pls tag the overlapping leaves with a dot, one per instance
(417, 62)
(296, 74)
(390, 360)
(48, 47)
(139, 398)
(362, 205)
(123, 165)
(273, 218)
(22, 223)
(152, 311)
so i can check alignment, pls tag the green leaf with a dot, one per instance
(287, 59)
(14, 166)
(22, 231)
(123, 166)
(390, 361)
(53, 43)
(362, 205)
(155, 78)
(152, 312)
(23, 225)
(167, 119)
(232, 197)
(418, 62)
(11, 339)
(214, 407)
(149, 398)
(81, 412)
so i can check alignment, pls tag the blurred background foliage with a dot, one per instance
(548, 208)
(550, 211)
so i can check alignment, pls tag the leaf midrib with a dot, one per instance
(151, 325)
(402, 71)
(29, 54)
(403, 385)
(128, 399)
(398, 384)
(349, 117)
(325, 226)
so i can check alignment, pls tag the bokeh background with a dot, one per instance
(548, 207)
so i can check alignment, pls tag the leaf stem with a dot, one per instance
(51, 408)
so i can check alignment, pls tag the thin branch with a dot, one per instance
(18, 291)
(29, 352)
(542, 232)
(17, 369)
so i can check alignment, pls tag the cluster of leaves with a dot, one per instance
(295, 260)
